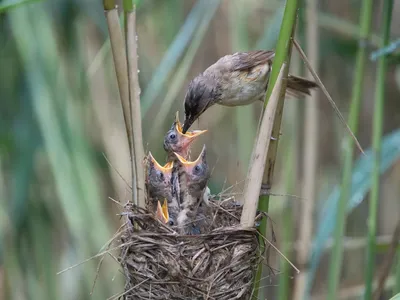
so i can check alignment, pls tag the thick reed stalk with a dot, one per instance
(283, 51)
(310, 154)
(121, 71)
(376, 146)
(257, 164)
(337, 252)
(134, 101)
(119, 57)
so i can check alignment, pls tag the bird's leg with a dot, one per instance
(265, 189)
(274, 138)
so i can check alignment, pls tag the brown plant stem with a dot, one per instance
(134, 104)
(121, 71)
(258, 157)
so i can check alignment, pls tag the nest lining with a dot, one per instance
(160, 263)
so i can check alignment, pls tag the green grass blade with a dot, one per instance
(71, 161)
(6, 5)
(181, 74)
(171, 57)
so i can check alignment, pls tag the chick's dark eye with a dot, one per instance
(172, 136)
(171, 223)
(161, 176)
(197, 169)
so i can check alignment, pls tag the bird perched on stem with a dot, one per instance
(234, 80)
(196, 174)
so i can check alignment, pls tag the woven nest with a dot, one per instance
(159, 263)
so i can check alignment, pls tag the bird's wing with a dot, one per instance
(245, 61)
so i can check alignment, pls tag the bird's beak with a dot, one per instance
(189, 165)
(166, 169)
(188, 122)
(191, 135)
(162, 211)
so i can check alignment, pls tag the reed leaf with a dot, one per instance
(174, 52)
(360, 185)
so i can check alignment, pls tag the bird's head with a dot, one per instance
(158, 177)
(196, 171)
(177, 141)
(202, 93)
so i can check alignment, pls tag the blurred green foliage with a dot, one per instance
(59, 112)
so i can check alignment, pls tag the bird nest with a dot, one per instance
(160, 263)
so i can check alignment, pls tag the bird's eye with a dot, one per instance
(171, 223)
(161, 175)
(197, 169)
(172, 136)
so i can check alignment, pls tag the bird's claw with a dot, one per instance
(265, 190)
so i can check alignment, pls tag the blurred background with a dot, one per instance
(64, 161)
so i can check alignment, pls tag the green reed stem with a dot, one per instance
(376, 147)
(283, 48)
(337, 251)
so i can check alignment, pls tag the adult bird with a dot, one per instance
(234, 80)
(196, 193)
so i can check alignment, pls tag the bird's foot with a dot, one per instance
(265, 190)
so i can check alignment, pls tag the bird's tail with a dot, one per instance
(300, 86)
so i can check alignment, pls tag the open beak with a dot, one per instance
(186, 125)
(166, 169)
(189, 165)
(162, 211)
(188, 137)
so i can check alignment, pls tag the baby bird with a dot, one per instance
(175, 141)
(234, 80)
(196, 174)
(158, 184)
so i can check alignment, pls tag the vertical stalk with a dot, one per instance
(287, 222)
(290, 170)
(119, 57)
(283, 50)
(310, 153)
(134, 101)
(121, 71)
(337, 251)
(376, 147)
